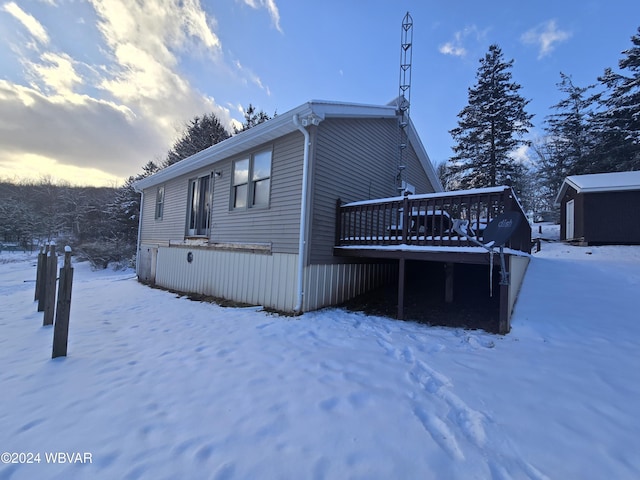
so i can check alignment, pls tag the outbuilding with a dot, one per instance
(600, 209)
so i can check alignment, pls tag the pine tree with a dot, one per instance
(252, 118)
(568, 146)
(491, 126)
(199, 134)
(125, 209)
(618, 122)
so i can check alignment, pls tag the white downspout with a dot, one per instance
(302, 242)
(139, 243)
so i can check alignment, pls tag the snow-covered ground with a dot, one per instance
(161, 387)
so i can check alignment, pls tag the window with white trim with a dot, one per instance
(252, 181)
(199, 206)
(159, 202)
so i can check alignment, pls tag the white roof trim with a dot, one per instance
(279, 126)
(600, 182)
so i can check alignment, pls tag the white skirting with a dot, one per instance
(258, 279)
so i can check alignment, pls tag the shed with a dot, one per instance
(601, 208)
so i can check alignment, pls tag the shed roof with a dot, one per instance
(600, 182)
(313, 111)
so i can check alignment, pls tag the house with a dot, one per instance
(602, 208)
(253, 219)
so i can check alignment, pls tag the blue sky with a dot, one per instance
(91, 90)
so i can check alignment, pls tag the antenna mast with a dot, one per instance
(404, 94)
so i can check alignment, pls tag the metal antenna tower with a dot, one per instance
(404, 93)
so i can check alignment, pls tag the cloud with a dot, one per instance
(546, 36)
(456, 47)
(110, 114)
(146, 44)
(251, 76)
(451, 48)
(57, 72)
(34, 27)
(80, 133)
(271, 7)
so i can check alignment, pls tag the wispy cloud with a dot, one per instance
(271, 7)
(121, 108)
(456, 46)
(546, 36)
(34, 27)
(57, 72)
(248, 75)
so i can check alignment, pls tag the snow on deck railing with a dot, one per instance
(427, 219)
(454, 193)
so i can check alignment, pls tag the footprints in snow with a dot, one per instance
(460, 416)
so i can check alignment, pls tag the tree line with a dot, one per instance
(593, 129)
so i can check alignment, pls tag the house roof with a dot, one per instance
(600, 182)
(311, 112)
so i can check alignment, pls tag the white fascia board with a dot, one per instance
(563, 190)
(262, 133)
(268, 131)
(324, 109)
(600, 183)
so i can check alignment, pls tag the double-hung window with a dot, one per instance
(199, 206)
(252, 181)
(159, 203)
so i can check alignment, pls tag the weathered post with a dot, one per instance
(61, 327)
(42, 256)
(42, 275)
(50, 288)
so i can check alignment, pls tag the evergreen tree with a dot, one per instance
(490, 127)
(200, 133)
(125, 209)
(568, 146)
(252, 118)
(618, 122)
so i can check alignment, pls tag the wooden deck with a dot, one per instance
(419, 227)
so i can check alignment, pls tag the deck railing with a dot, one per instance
(427, 220)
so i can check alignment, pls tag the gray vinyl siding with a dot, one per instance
(277, 224)
(355, 159)
(172, 225)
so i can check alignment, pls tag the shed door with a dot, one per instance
(570, 219)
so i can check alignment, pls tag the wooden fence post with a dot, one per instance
(42, 256)
(61, 327)
(42, 276)
(50, 288)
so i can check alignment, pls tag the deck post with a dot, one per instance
(338, 232)
(503, 322)
(448, 282)
(401, 278)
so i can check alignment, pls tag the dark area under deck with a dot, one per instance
(443, 277)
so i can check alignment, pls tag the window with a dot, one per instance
(159, 203)
(261, 178)
(240, 183)
(199, 206)
(252, 181)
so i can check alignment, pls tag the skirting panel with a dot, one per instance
(517, 268)
(256, 279)
(327, 285)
